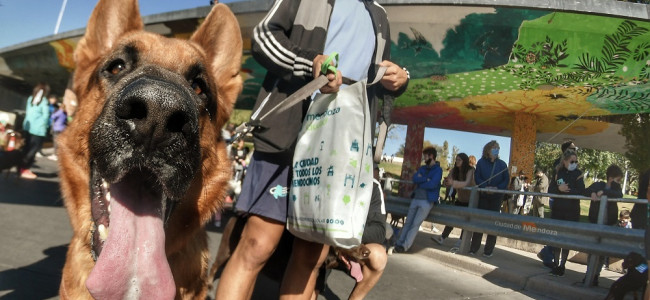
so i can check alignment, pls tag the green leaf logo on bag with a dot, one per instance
(353, 162)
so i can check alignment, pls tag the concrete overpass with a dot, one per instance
(532, 70)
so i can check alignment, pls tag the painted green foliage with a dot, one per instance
(480, 41)
(556, 49)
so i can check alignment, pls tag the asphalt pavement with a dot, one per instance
(34, 234)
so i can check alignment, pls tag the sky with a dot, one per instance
(25, 20)
(469, 143)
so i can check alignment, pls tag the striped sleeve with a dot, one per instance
(272, 47)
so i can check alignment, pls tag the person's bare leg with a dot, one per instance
(258, 241)
(372, 271)
(300, 277)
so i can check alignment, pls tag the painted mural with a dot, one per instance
(556, 66)
(472, 68)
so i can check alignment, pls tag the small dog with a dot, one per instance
(337, 255)
(635, 279)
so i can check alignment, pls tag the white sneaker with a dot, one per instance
(438, 239)
(390, 250)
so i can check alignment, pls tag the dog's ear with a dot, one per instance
(110, 20)
(220, 37)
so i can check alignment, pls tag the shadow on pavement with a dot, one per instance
(42, 191)
(39, 280)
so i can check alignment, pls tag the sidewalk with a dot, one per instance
(521, 269)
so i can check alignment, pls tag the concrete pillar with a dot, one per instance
(522, 144)
(412, 156)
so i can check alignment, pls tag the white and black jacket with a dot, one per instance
(286, 42)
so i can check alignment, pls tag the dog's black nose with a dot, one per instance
(156, 113)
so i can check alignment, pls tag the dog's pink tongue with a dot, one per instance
(355, 271)
(133, 264)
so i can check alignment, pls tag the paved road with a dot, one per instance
(34, 233)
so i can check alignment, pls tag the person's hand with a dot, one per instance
(394, 78)
(594, 196)
(335, 80)
(564, 188)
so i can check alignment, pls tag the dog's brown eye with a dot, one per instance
(116, 68)
(197, 88)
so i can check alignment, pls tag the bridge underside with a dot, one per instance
(501, 70)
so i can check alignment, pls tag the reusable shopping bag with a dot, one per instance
(332, 170)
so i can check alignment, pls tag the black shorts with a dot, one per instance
(265, 189)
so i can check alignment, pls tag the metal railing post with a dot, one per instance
(593, 260)
(467, 235)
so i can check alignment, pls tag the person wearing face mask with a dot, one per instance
(427, 193)
(612, 189)
(567, 181)
(492, 173)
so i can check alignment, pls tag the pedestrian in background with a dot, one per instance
(612, 189)
(540, 186)
(546, 255)
(427, 193)
(460, 176)
(516, 201)
(59, 121)
(35, 125)
(568, 180)
(491, 173)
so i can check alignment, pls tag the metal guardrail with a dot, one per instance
(598, 239)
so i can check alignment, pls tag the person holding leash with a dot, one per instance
(290, 43)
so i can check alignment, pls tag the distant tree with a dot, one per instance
(637, 144)
(400, 151)
(545, 155)
(454, 152)
(443, 156)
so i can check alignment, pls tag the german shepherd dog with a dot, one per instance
(143, 164)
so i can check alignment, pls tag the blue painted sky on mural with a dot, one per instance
(25, 20)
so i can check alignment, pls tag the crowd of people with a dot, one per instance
(566, 178)
(45, 117)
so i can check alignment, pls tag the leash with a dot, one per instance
(296, 97)
(330, 65)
